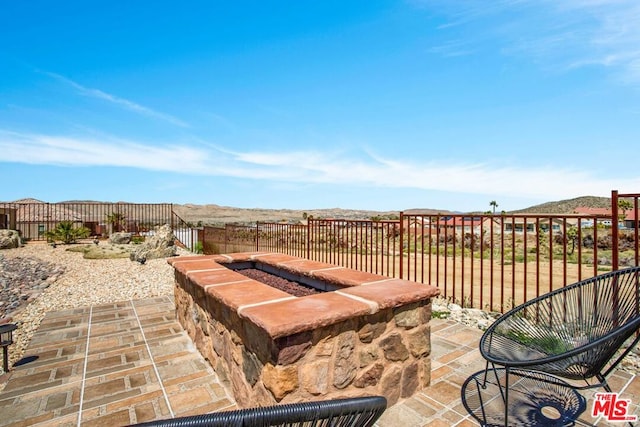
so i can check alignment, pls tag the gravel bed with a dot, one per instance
(37, 278)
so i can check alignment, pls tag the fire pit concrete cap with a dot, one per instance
(280, 314)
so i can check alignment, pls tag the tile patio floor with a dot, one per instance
(131, 362)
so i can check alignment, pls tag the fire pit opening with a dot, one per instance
(291, 287)
(290, 282)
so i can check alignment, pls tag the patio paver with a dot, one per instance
(112, 364)
(131, 362)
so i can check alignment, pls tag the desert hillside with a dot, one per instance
(568, 206)
(214, 214)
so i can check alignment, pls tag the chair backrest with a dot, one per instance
(356, 412)
(573, 331)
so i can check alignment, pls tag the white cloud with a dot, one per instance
(70, 151)
(121, 102)
(309, 167)
(555, 34)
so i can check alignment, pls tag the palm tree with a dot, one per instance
(494, 205)
(66, 232)
(116, 220)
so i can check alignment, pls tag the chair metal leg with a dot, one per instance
(484, 380)
(506, 396)
(495, 374)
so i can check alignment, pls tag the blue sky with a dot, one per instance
(381, 105)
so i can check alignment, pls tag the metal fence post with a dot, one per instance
(401, 243)
(309, 238)
(614, 230)
(257, 236)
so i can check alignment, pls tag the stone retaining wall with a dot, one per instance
(369, 337)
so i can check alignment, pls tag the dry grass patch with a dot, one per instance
(102, 251)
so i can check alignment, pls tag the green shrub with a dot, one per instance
(548, 344)
(66, 233)
(439, 314)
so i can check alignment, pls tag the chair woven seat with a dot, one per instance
(572, 332)
(579, 332)
(356, 412)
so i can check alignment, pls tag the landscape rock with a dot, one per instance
(10, 239)
(120, 238)
(473, 317)
(22, 280)
(160, 245)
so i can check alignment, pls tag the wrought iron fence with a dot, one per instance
(495, 262)
(291, 239)
(34, 219)
(228, 239)
(187, 235)
(486, 261)
(371, 246)
(628, 242)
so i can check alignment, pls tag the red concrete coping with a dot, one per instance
(238, 256)
(301, 265)
(347, 277)
(311, 312)
(215, 277)
(392, 292)
(274, 258)
(246, 293)
(280, 314)
(191, 264)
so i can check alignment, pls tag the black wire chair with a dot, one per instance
(575, 333)
(352, 412)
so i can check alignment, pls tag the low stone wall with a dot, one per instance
(369, 337)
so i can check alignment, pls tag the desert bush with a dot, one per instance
(587, 241)
(66, 233)
(605, 242)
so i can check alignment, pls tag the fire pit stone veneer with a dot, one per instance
(369, 335)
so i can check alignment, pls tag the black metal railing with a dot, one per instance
(487, 261)
(34, 219)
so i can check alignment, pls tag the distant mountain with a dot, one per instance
(216, 215)
(566, 206)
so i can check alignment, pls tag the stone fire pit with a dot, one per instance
(366, 335)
